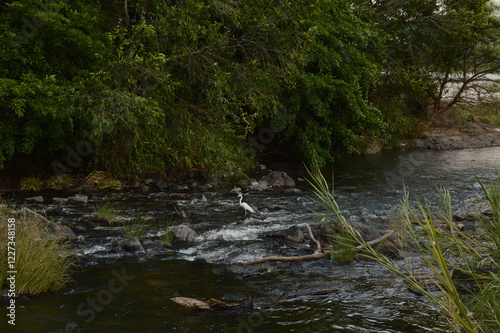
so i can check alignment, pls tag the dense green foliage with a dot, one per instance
(150, 85)
(330, 101)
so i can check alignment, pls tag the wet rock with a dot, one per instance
(199, 260)
(60, 232)
(37, 198)
(368, 233)
(118, 250)
(278, 179)
(324, 234)
(258, 186)
(180, 213)
(183, 233)
(144, 188)
(148, 181)
(79, 229)
(59, 201)
(162, 184)
(470, 227)
(131, 245)
(148, 244)
(244, 183)
(79, 198)
(294, 234)
(235, 190)
(204, 198)
(293, 190)
(210, 181)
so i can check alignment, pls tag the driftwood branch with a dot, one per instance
(318, 253)
(378, 240)
(212, 305)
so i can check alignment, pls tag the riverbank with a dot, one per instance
(470, 135)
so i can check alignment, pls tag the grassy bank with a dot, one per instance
(42, 265)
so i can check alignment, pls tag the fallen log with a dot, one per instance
(212, 305)
(215, 305)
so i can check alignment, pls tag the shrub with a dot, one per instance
(31, 184)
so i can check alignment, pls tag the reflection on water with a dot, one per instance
(369, 298)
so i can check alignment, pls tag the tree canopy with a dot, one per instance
(179, 85)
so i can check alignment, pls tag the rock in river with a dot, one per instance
(131, 245)
(294, 234)
(278, 179)
(183, 233)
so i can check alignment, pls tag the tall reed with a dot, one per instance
(441, 252)
(41, 264)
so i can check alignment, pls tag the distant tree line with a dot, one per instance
(179, 85)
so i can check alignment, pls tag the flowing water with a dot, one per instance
(131, 292)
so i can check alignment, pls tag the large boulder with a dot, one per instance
(294, 234)
(278, 179)
(183, 233)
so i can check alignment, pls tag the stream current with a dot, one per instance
(131, 292)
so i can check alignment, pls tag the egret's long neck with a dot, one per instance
(241, 198)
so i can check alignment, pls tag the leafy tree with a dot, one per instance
(46, 45)
(329, 101)
(436, 50)
(183, 82)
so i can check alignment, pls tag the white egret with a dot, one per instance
(246, 206)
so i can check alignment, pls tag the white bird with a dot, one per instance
(246, 206)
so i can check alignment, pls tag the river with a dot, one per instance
(131, 292)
